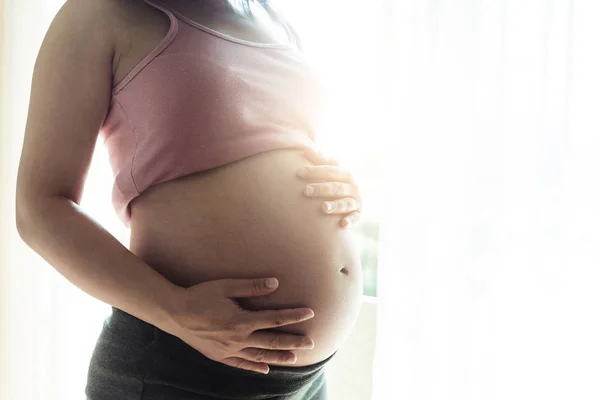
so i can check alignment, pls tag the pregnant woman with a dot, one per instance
(240, 281)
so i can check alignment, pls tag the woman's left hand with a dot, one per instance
(333, 182)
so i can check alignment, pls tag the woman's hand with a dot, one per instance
(331, 181)
(227, 333)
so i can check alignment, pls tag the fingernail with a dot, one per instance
(271, 283)
(309, 343)
(302, 172)
(291, 359)
(309, 190)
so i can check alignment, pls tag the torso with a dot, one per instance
(243, 220)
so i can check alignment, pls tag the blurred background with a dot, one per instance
(473, 129)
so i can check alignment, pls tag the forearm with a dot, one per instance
(93, 260)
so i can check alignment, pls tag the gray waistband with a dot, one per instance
(177, 363)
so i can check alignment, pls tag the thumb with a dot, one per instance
(250, 287)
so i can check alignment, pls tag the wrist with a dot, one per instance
(168, 308)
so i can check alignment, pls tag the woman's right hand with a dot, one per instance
(209, 319)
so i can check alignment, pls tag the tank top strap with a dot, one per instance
(162, 7)
(173, 29)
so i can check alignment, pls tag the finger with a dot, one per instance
(331, 189)
(350, 219)
(275, 318)
(325, 173)
(268, 356)
(315, 156)
(341, 206)
(279, 341)
(249, 287)
(240, 363)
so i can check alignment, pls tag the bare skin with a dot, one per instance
(247, 220)
(172, 269)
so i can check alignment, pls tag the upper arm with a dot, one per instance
(70, 97)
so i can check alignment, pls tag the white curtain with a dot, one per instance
(489, 269)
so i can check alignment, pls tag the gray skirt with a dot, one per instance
(134, 360)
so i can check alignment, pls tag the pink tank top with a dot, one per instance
(202, 99)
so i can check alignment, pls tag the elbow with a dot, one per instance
(27, 216)
(35, 214)
(23, 219)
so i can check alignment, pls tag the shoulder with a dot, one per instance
(103, 8)
(105, 16)
(95, 12)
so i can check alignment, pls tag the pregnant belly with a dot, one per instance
(249, 219)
